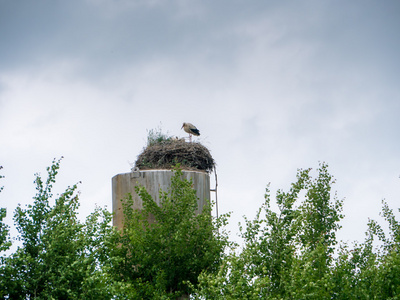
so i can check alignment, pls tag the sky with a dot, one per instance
(273, 86)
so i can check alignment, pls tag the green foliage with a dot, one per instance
(59, 255)
(387, 279)
(156, 136)
(166, 251)
(162, 249)
(4, 229)
(287, 254)
(290, 254)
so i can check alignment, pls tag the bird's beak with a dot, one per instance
(182, 126)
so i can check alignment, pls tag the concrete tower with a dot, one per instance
(153, 181)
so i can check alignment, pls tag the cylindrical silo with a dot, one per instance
(153, 181)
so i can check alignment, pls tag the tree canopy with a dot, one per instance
(162, 256)
(4, 229)
(58, 256)
(291, 252)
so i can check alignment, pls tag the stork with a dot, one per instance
(191, 129)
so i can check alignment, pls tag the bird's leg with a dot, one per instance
(190, 137)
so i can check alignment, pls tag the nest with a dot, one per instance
(166, 154)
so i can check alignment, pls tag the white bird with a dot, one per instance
(191, 129)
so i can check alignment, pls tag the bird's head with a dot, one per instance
(183, 125)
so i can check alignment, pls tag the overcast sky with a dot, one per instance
(272, 86)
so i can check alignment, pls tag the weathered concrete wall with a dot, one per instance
(153, 180)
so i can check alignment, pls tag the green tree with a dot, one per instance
(4, 229)
(320, 213)
(367, 271)
(385, 278)
(286, 254)
(162, 259)
(166, 251)
(4, 238)
(59, 255)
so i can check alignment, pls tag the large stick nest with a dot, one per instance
(166, 154)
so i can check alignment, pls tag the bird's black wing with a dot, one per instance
(195, 131)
